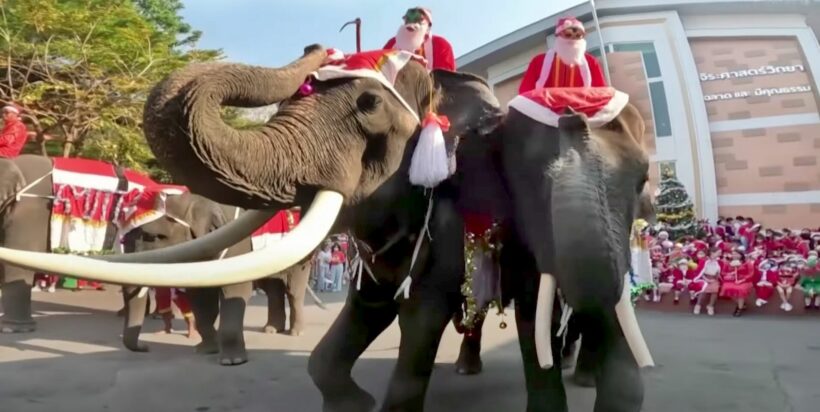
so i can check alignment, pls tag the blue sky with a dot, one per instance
(274, 32)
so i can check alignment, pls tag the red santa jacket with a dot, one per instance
(443, 57)
(13, 138)
(561, 74)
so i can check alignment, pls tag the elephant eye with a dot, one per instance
(147, 237)
(642, 183)
(368, 102)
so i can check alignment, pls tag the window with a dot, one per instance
(660, 109)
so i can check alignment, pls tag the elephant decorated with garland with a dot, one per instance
(343, 146)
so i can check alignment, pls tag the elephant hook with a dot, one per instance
(358, 22)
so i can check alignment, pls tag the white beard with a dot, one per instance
(409, 41)
(570, 51)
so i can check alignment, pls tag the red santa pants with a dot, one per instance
(764, 292)
(164, 295)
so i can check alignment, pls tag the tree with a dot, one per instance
(674, 208)
(83, 68)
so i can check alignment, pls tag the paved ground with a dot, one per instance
(76, 363)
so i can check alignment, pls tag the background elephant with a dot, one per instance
(26, 226)
(187, 217)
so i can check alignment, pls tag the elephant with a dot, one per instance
(188, 216)
(347, 146)
(26, 223)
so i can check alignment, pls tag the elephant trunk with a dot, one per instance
(254, 169)
(590, 244)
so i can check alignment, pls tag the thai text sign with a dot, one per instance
(760, 71)
(742, 94)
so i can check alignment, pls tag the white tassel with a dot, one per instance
(430, 165)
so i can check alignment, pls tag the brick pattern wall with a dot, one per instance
(722, 55)
(628, 75)
(783, 159)
(778, 216)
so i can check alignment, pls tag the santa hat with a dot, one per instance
(569, 22)
(425, 12)
(11, 107)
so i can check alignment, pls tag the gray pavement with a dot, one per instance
(74, 362)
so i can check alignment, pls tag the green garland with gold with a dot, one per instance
(488, 241)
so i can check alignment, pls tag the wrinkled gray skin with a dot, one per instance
(229, 302)
(25, 226)
(573, 194)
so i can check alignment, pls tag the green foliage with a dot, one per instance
(674, 209)
(82, 70)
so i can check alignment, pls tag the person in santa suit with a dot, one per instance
(737, 281)
(415, 36)
(787, 278)
(768, 275)
(566, 64)
(678, 278)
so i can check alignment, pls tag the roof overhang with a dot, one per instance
(526, 38)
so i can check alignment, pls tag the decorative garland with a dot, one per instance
(65, 251)
(487, 242)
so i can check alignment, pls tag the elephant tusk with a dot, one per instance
(291, 249)
(143, 292)
(543, 320)
(632, 331)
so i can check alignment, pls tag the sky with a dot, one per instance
(274, 32)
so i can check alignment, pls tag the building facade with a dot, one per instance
(728, 90)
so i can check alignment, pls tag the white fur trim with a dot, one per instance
(429, 165)
(546, 116)
(337, 72)
(11, 109)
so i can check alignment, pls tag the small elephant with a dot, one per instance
(189, 216)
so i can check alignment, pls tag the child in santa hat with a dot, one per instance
(678, 278)
(737, 281)
(768, 274)
(787, 278)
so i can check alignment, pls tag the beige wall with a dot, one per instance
(504, 91)
(722, 55)
(782, 159)
(778, 216)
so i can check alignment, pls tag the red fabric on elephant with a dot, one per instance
(275, 228)
(599, 104)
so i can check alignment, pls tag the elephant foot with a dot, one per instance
(296, 332)
(136, 347)
(358, 401)
(583, 379)
(469, 358)
(17, 327)
(270, 330)
(233, 358)
(207, 347)
(568, 357)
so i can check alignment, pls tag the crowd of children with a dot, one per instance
(734, 259)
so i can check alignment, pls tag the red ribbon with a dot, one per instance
(442, 121)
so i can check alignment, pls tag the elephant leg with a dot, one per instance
(422, 320)
(16, 299)
(205, 305)
(231, 321)
(357, 326)
(469, 356)
(584, 374)
(618, 381)
(297, 285)
(134, 318)
(275, 291)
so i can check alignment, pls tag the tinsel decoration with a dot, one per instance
(674, 209)
(473, 246)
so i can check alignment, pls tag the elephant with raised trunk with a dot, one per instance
(189, 216)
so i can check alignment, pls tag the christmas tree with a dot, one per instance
(674, 208)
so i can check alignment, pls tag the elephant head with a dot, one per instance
(332, 147)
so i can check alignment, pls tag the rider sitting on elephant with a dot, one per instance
(415, 35)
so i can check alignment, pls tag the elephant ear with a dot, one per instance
(204, 216)
(631, 122)
(467, 101)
